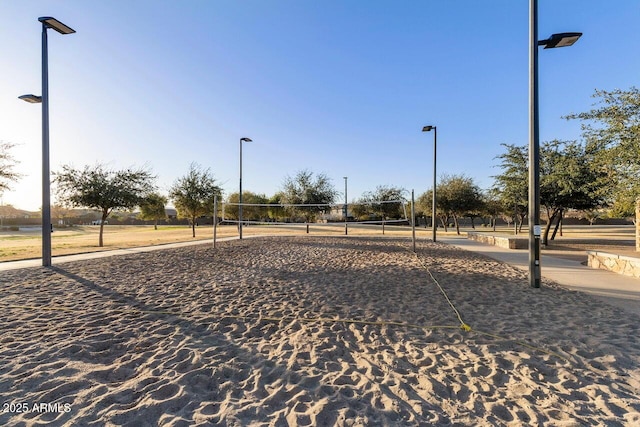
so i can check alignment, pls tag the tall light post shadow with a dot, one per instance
(240, 196)
(433, 202)
(47, 22)
(556, 40)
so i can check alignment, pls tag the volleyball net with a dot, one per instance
(387, 212)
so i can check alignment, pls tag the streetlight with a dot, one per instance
(31, 99)
(240, 205)
(560, 40)
(346, 206)
(556, 40)
(47, 22)
(433, 203)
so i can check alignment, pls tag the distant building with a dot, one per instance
(336, 214)
(8, 211)
(171, 213)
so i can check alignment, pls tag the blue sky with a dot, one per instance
(338, 87)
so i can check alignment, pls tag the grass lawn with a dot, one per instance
(27, 243)
(16, 245)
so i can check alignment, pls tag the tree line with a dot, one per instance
(596, 173)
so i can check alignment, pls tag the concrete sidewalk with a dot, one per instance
(615, 289)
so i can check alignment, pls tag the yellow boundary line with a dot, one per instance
(467, 328)
(463, 325)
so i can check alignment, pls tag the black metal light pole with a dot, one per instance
(556, 40)
(240, 197)
(433, 202)
(47, 22)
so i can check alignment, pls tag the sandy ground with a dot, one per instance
(310, 331)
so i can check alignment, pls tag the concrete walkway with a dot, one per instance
(615, 289)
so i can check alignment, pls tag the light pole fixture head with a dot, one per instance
(428, 128)
(50, 22)
(33, 99)
(246, 140)
(560, 40)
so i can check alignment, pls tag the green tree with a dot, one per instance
(512, 185)
(305, 188)
(97, 187)
(152, 208)
(623, 207)
(424, 207)
(570, 178)
(360, 211)
(457, 196)
(591, 215)
(7, 163)
(493, 207)
(249, 213)
(193, 194)
(420, 209)
(385, 202)
(276, 211)
(614, 126)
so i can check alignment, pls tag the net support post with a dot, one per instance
(215, 219)
(413, 221)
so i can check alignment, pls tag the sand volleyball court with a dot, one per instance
(309, 331)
